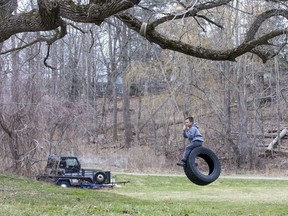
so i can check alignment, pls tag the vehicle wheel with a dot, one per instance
(64, 184)
(203, 166)
(100, 177)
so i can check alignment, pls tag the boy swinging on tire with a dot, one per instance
(190, 132)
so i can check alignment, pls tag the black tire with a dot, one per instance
(63, 183)
(192, 171)
(99, 177)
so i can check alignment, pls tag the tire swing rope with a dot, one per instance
(193, 173)
(143, 29)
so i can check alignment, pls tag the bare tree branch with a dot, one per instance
(193, 12)
(46, 58)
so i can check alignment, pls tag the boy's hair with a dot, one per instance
(191, 119)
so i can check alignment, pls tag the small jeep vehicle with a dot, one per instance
(67, 172)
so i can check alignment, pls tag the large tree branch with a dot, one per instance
(48, 16)
(248, 45)
(30, 22)
(261, 19)
(51, 13)
(7, 7)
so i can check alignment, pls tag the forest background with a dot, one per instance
(118, 101)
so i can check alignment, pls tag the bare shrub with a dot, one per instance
(135, 159)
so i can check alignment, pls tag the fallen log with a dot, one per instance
(274, 141)
(274, 135)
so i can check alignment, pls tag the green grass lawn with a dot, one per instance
(146, 195)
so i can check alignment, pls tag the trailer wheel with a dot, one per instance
(63, 183)
(207, 171)
(100, 177)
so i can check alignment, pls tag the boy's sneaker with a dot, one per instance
(181, 163)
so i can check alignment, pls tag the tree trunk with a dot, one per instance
(227, 115)
(244, 144)
(113, 72)
(126, 89)
(138, 117)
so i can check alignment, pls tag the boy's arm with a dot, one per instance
(184, 134)
(190, 133)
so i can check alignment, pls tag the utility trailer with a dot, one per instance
(67, 172)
